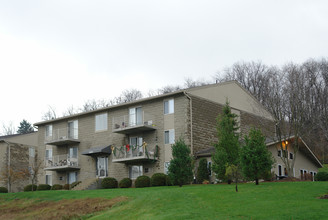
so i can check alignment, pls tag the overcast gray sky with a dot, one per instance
(62, 53)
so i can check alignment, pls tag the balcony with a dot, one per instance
(129, 124)
(63, 136)
(128, 153)
(63, 162)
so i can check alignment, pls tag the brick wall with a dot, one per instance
(205, 113)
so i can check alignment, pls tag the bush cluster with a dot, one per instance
(66, 186)
(158, 179)
(321, 176)
(202, 171)
(109, 183)
(125, 183)
(3, 190)
(57, 187)
(42, 187)
(142, 181)
(29, 188)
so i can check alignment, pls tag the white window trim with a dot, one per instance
(168, 101)
(31, 151)
(50, 182)
(106, 123)
(282, 169)
(209, 168)
(289, 153)
(166, 169)
(50, 133)
(170, 131)
(130, 175)
(75, 123)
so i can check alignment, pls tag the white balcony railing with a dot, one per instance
(61, 161)
(132, 121)
(62, 134)
(130, 152)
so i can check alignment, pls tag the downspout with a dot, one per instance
(191, 130)
(8, 184)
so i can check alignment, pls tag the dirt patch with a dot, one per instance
(324, 197)
(63, 209)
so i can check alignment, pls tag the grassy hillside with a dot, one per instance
(277, 200)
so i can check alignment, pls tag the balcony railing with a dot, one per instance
(128, 124)
(63, 136)
(130, 153)
(62, 162)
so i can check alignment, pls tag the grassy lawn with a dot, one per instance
(276, 200)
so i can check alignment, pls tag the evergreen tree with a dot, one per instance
(180, 169)
(227, 148)
(25, 127)
(202, 171)
(256, 159)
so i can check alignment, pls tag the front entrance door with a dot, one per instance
(72, 177)
(102, 166)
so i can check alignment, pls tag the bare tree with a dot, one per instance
(50, 114)
(8, 129)
(190, 83)
(10, 176)
(69, 111)
(131, 95)
(36, 167)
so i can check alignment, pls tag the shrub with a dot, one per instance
(125, 183)
(142, 181)
(109, 183)
(57, 187)
(202, 171)
(66, 186)
(29, 188)
(158, 179)
(3, 190)
(321, 176)
(168, 180)
(43, 187)
(75, 184)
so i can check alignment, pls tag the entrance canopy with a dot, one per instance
(97, 151)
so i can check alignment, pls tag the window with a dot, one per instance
(32, 152)
(30, 170)
(73, 129)
(48, 130)
(49, 179)
(291, 156)
(49, 154)
(73, 152)
(279, 170)
(169, 137)
(285, 153)
(135, 116)
(166, 167)
(209, 167)
(279, 153)
(135, 171)
(169, 106)
(72, 177)
(101, 122)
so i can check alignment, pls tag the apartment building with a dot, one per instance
(18, 153)
(135, 138)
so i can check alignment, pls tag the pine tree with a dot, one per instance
(25, 127)
(256, 159)
(180, 169)
(202, 171)
(227, 148)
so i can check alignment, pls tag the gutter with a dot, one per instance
(191, 130)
